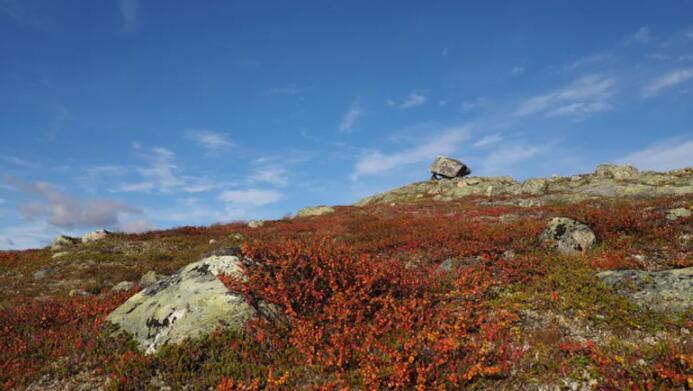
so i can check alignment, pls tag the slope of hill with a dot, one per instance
(437, 285)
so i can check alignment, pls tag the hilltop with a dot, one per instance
(581, 282)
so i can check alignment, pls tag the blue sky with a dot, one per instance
(133, 115)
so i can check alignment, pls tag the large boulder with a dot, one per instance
(568, 235)
(191, 303)
(62, 242)
(616, 172)
(314, 211)
(448, 168)
(663, 290)
(95, 236)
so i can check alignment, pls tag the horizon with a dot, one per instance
(130, 115)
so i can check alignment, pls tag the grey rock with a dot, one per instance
(123, 286)
(678, 213)
(568, 235)
(448, 168)
(79, 292)
(534, 186)
(616, 172)
(95, 236)
(191, 303)
(43, 273)
(663, 290)
(62, 242)
(314, 211)
(150, 278)
(256, 223)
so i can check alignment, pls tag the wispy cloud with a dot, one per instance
(591, 59)
(664, 155)
(129, 13)
(254, 197)
(667, 81)
(517, 71)
(580, 99)
(212, 141)
(413, 99)
(162, 169)
(469, 105)
(288, 91)
(20, 162)
(350, 117)
(500, 160)
(643, 35)
(377, 163)
(62, 210)
(488, 140)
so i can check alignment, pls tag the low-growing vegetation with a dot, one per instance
(368, 305)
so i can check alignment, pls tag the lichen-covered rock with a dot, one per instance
(314, 211)
(678, 213)
(123, 286)
(448, 167)
(256, 223)
(616, 171)
(663, 290)
(95, 236)
(191, 303)
(150, 278)
(568, 235)
(62, 242)
(534, 186)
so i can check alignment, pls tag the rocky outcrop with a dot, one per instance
(150, 278)
(256, 223)
(446, 167)
(678, 213)
(663, 290)
(610, 181)
(568, 236)
(191, 303)
(95, 236)
(62, 242)
(314, 211)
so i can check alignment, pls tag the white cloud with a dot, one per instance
(161, 169)
(377, 163)
(592, 59)
(517, 70)
(667, 80)
(502, 159)
(194, 211)
(134, 187)
(586, 95)
(643, 35)
(212, 141)
(443, 102)
(488, 140)
(20, 162)
(470, 105)
(32, 235)
(129, 12)
(255, 197)
(413, 99)
(349, 120)
(664, 155)
(273, 175)
(135, 226)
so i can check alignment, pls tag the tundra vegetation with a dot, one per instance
(424, 295)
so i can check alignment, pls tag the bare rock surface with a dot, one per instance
(568, 235)
(95, 236)
(191, 303)
(663, 290)
(314, 211)
(61, 242)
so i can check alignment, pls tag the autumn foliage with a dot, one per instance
(418, 296)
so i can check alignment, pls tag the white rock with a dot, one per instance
(95, 236)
